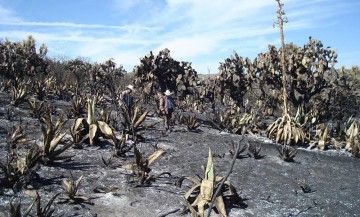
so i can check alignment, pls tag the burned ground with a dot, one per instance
(317, 183)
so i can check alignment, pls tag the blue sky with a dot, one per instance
(204, 32)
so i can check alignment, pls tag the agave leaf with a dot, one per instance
(195, 181)
(272, 129)
(21, 165)
(77, 123)
(105, 129)
(66, 185)
(191, 209)
(285, 133)
(135, 115)
(55, 142)
(77, 183)
(321, 144)
(220, 206)
(279, 135)
(29, 208)
(57, 152)
(206, 189)
(191, 190)
(56, 158)
(201, 207)
(335, 143)
(59, 124)
(92, 132)
(296, 134)
(138, 156)
(90, 115)
(46, 209)
(154, 156)
(15, 212)
(325, 134)
(209, 171)
(141, 119)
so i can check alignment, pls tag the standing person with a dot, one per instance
(167, 109)
(126, 98)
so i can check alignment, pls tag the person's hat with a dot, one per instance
(168, 93)
(131, 87)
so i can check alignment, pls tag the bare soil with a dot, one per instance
(269, 186)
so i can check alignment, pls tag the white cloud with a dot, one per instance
(7, 15)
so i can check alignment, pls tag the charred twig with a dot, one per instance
(170, 212)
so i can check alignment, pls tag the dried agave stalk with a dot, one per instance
(141, 168)
(201, 193)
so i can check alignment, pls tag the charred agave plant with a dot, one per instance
(221, 120)
(36, 108)
(323, 137)
(199, 196)
(18, 93)
(17, 137)
(77, 106)
(46, 211)
(120, 147)
(132, 124)
(192, 122)
(352, 138)
(20, 171)
(140, 168)
(91, 127)
(71, 189)
(240, 122)
(254, 151)
(287, 153)
(52, 136)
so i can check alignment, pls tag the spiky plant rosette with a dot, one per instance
(199, 196)
(141, 166)
(287, 130)
(92, 127)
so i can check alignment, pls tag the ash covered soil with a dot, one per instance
(269, 186)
